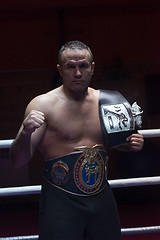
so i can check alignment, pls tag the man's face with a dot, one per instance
(76, 69)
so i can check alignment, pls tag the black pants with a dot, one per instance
(67, 217)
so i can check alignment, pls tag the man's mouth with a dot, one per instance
(77, 81)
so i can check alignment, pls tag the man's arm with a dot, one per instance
(133, 143)
(28, 137)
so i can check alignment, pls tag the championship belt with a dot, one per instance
(117, 117)
(81, 173)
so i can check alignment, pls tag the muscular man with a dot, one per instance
(76, 200)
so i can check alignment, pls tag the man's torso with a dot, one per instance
(70, 124)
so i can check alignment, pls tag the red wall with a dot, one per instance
(30, 38)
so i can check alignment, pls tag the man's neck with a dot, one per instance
(75, 95)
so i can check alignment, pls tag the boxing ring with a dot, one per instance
(118, 183)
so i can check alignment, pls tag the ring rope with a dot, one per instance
(117, 183)
(124, 231)
(6, 143)
(23, 190)
(137, 230)
(148, 133)
(133, 182)
(33, 237)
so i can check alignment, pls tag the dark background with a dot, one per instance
(125, 39)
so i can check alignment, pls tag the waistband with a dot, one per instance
(81, 173)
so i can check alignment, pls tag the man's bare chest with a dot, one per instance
(73, 122)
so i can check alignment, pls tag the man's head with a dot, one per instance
(75, 66)
(74, 45)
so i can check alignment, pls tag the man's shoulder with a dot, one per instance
(93, 91)
(49, 96)
(43, 101)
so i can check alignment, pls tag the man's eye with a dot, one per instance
(84, 65)
(70, 66)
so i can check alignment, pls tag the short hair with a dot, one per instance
(74, 45)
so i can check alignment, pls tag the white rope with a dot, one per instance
(149, 133)
(130, 182)
(6, 143)
(137, 230)
(133, 182)
(33, 237)
(124, 231)
(24, 190)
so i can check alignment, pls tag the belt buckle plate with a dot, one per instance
(89, 170)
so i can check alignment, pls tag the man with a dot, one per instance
(76, 201)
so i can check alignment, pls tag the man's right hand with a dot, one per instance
(33, 121)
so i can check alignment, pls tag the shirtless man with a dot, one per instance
(59, 123)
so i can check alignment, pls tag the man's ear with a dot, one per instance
(92, 67)
(59, 69)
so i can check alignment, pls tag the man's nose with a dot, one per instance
(77, 72)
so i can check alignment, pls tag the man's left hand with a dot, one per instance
(135, 142)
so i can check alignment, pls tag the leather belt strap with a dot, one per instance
(80, 173)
